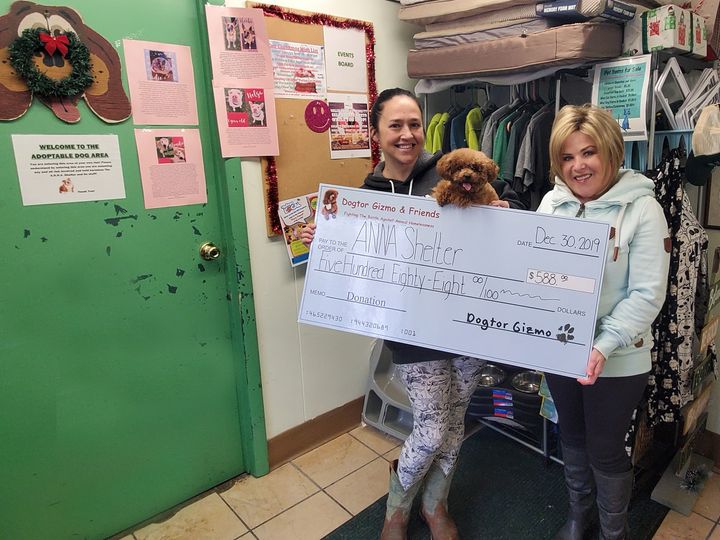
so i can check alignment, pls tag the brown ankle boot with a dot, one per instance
(399, 504)
(434, 505)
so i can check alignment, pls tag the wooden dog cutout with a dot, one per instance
(105, 96)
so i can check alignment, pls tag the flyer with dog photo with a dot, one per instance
(242, 82)
(239, 45)
(162, 83)
(295, 214)
(246, 121)
(171, 167)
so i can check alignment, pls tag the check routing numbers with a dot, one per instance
(403, 268)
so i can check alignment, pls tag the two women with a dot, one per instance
(586, 150)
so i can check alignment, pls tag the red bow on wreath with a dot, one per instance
(55, 43)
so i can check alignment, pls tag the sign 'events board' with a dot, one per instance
(505, 285)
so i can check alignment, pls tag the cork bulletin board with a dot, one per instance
(304, 160)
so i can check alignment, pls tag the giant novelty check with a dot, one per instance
(505, 285)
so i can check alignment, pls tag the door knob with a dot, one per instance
(209, 251)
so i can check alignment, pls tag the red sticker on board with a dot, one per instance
(317, 116)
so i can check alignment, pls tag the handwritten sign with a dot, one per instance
(505, 285)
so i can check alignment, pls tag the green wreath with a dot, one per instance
(24, 48)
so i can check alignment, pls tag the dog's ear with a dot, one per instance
(14, 93)
(443, 165)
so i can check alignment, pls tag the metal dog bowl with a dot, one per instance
(527, 381)
(491, 375)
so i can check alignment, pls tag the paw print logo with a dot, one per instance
(566, 334)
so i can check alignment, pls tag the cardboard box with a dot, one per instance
(669, 28)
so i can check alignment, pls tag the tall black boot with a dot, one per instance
(614, 491)
(580, 486)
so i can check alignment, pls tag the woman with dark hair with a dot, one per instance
(594, 412)
(438, 384)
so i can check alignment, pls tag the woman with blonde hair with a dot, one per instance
(594, 412)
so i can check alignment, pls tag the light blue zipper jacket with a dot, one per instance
(636, 267)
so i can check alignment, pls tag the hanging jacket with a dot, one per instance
(430, 132)
(636, 267)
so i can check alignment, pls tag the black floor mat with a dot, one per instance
(504, 491)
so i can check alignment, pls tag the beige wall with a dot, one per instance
(307, 371)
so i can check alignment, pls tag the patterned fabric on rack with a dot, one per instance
(678, 325)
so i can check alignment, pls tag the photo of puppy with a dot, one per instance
(248, 37)
(329, 207)
(66, 186)
(465, 178)
(257, 116)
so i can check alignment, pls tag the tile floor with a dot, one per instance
(319, 491)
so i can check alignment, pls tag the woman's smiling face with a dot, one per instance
(583, 170)
(400, 132)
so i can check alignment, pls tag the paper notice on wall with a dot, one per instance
(349, 128)
(621, 88)
(345, 59)
(162, 83)
(298, 70)
(171, 167)
(246, 121)
(68, 168)
(239, 47)
(242, 82)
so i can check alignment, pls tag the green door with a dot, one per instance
(129, 376)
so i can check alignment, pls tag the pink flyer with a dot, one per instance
(162, 83)
(171, 167)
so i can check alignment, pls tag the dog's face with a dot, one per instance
(235, 98)
(468, 170)
(330, 197)
(163, 144)
(159, 64)
(257, 110)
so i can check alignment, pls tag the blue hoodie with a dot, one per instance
(636, 267)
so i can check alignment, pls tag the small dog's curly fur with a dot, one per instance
(465, 178)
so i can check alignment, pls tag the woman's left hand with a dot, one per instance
(500, 204)
(595, 366)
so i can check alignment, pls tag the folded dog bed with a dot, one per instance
(562, 45)
(450, 10)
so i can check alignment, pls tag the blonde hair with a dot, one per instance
(596, 123)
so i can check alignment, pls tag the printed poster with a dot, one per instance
(171, 167)
(242, 82)
(239, 48)
(298, 70)
(345, 59)
(56, 169)
(349, 128)
(162, 83)
(246, 121)
(294, 215)
(620, 87)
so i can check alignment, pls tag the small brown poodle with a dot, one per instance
(465, 178)
(329, 207)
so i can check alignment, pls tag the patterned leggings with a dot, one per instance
(439, 393)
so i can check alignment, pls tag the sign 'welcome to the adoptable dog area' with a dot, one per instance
(505, 285)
